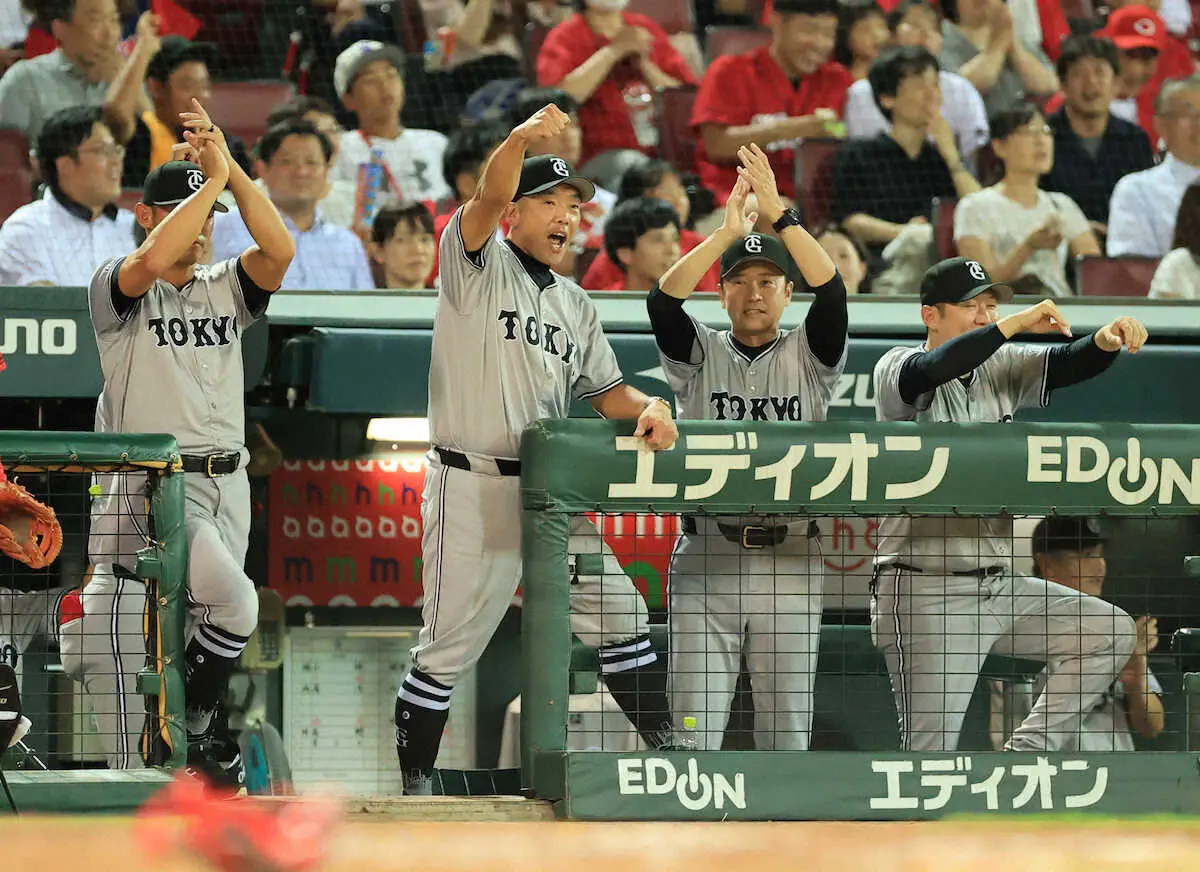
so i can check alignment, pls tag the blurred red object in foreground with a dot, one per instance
(237, 834)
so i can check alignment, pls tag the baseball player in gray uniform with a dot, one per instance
(512, 343)
(169, 333)
(749, 585)
(944, 590)
(1070, 551)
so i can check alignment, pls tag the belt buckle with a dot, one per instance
(208, 466)
(746, 532)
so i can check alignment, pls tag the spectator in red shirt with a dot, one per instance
(659, 180)
(609, 61)
(1149, 56)
(772, 96)
(862, 31)
(642, 236)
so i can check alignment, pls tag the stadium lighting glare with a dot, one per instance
(409, 431)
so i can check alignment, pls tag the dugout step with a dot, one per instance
(85, 791)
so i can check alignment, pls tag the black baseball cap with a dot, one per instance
(173, 182)
(957, 280)
(546, 172)
(1059, 533)
(755, 248)
(175, 51)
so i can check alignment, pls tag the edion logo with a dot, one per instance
(1131, 480)
(695, 790)
(31, 336)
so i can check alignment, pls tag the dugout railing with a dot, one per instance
(836, 470)
(59, 468)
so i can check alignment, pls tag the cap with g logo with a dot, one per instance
(173, 182)
(546, 172)
(957, 280)
(755, 248)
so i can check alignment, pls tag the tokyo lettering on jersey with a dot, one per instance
(1014, 377)
(719, 382)
(173, 361)
(506, 352)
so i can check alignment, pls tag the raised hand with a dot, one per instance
(148, 38)
(210, 156)
(547, 123)
(735, 210)
(1048, 235)
(756, 170)
(1122, 332)
(198, 122)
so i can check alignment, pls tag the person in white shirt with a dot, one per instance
(368, 79)
(1178, 274)
(1143, 207)
(917, 22)
(62, 238)
(337, 206)
(1020, 234)
(293, 165)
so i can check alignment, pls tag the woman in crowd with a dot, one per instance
(1178, 275)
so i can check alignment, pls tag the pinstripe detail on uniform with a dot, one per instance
(905, 701)
(437, 579)
(122, 749)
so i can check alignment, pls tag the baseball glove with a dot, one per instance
(29, 530)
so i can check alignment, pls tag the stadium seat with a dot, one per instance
(606, 168)
(676, 140)
(722, 40)
(583, 262)
(1114, 276)
(675, 16)
(814, 179)
(16, 172)
(241, 107)
(942, 220)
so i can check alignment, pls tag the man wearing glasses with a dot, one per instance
(76, 225)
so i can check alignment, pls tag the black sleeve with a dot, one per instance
(673, 329)
(924, 372)
(827, 321)
(1077, 361)
(121, 304)
(253, 296)
(846, 196)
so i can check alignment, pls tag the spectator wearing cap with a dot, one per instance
(918, 22)
(982, 46)
(402, 244)
(1093, 148)
(569, 146)
(1141, 215)
(774, 96)
(1020, 234)
(658, 180)
(293, 163)
(338, 204)
(1149, 56)
(642, 237)
(62, 238)
(1069, 551)
(610, 61)
(884, 183)
(174, 71)
(77, 73)
(1178, 275)
(368, 79)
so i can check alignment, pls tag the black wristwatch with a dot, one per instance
(789, 218)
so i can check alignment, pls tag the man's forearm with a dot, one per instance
(261, 217)
(583, 81)
(868, 228)
(655, 76)
(686, 273)
(1036, 76)
(123, 99)
(624, 402)
(1145, 708)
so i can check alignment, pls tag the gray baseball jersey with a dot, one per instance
(506, 353)
(1012, 378)
(1106, 726)
(719, 383)
(173, 362)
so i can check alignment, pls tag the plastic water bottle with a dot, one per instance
(640, 103)
(687, 741)
(371, 182)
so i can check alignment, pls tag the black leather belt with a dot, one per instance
(752, 537)
(981, 572)
(458, 460)
(212, 465)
